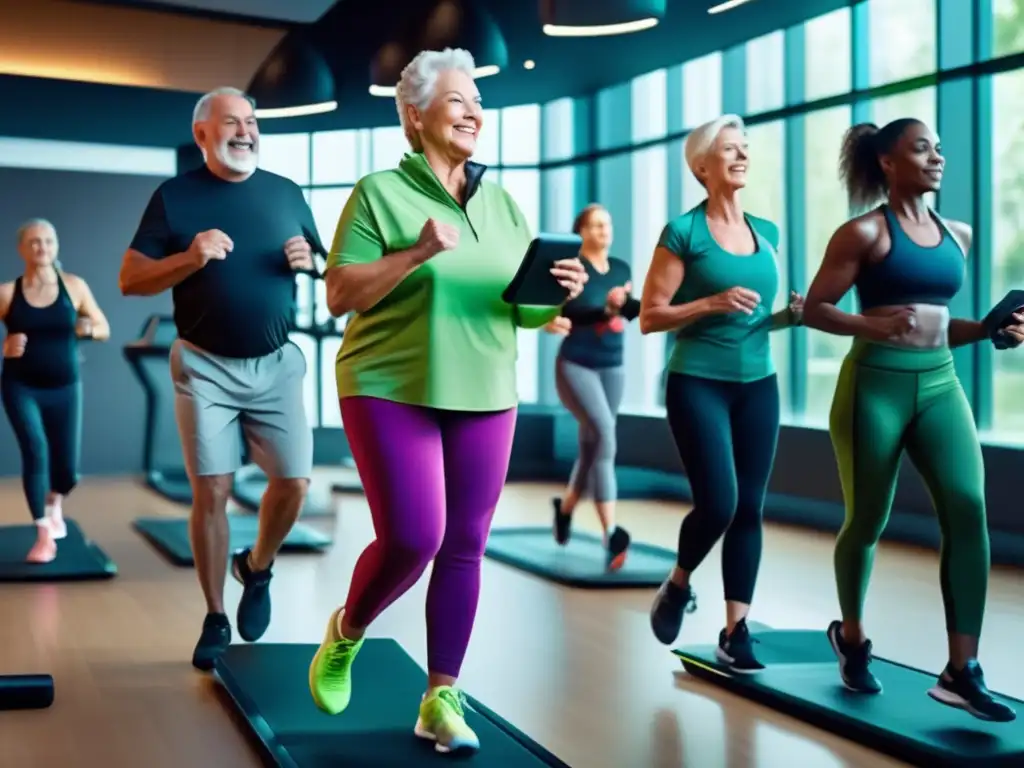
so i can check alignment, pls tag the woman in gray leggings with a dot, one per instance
(589, 374)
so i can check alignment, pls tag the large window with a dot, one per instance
(286, 155)
(559, 120)
(524, 186)
(919, 104)
(903, 39)
(1007, 27)
(828, 63)
(702, 90)
(649, 212)
(765, 196)
(766, 73)
(649, 100)
(873, 60)
(520, 135)
(825, 209)
(1007, 243)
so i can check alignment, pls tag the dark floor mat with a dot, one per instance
(78, 559)
(269, 685)
(249, 487)
(169, 535)
(581, 563)
(173, 486)
(25, 692)
(802, 680)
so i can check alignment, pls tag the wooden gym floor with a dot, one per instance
(578, 671)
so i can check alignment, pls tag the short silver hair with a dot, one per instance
(417, 86)
(205, 104)
(701, 140)
(34, 223)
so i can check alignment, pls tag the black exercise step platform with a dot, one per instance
(25, 692)
(78, 558)
(802, 680)
(580, 563)
(250, 484)
(269, 684)
(169, 536)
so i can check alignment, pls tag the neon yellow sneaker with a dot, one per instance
(330, 674)
(442, 720)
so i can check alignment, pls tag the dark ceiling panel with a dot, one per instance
(350, 32)
(287, 11)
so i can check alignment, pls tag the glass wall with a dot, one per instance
(798, 89)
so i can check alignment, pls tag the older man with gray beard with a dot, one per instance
(227, 239)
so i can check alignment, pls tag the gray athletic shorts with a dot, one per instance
(217, 399)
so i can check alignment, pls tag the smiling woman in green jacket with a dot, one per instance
(427, 378)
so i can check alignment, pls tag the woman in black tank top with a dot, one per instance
(46, 312)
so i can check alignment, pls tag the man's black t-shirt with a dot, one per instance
(244, 305)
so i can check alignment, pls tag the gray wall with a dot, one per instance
(95, 215)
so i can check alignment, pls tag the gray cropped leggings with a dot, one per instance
(593, 396)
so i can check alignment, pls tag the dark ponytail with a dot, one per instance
(860, 166)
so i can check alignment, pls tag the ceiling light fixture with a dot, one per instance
(599, 18)
(529, 64)
(728, 5)
(446, 24)
(293, 81)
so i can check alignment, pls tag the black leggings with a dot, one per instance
(48, 426)
(726, 433)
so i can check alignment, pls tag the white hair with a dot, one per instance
(205, 104)
(418, 84)
(701, 140)
(34, 223)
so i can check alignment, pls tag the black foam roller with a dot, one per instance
(26, 691)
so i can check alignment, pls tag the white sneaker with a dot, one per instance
(55, 518)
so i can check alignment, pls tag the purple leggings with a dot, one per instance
(432, 479)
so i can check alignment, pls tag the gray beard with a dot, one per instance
(235, 164)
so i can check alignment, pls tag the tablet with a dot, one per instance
(534, 284)
(1002, 316)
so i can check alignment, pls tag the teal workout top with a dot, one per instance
(912, 273)
(726, 347)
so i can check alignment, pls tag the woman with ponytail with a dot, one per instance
(898, 391)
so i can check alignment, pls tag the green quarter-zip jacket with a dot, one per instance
(443, 337)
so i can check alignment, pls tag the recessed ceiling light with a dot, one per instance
(601, 30)
(529, 64)
(728, 5)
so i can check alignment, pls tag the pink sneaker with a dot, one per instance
(45, 548)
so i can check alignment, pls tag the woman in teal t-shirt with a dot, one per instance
(713, 280)
(427, 379)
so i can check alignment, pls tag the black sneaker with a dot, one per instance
(965, 689)
(618, 543)
(854, 662)
(736, 650)
(670, 604)
(214, 640)
(254, 607)
(562, 524)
